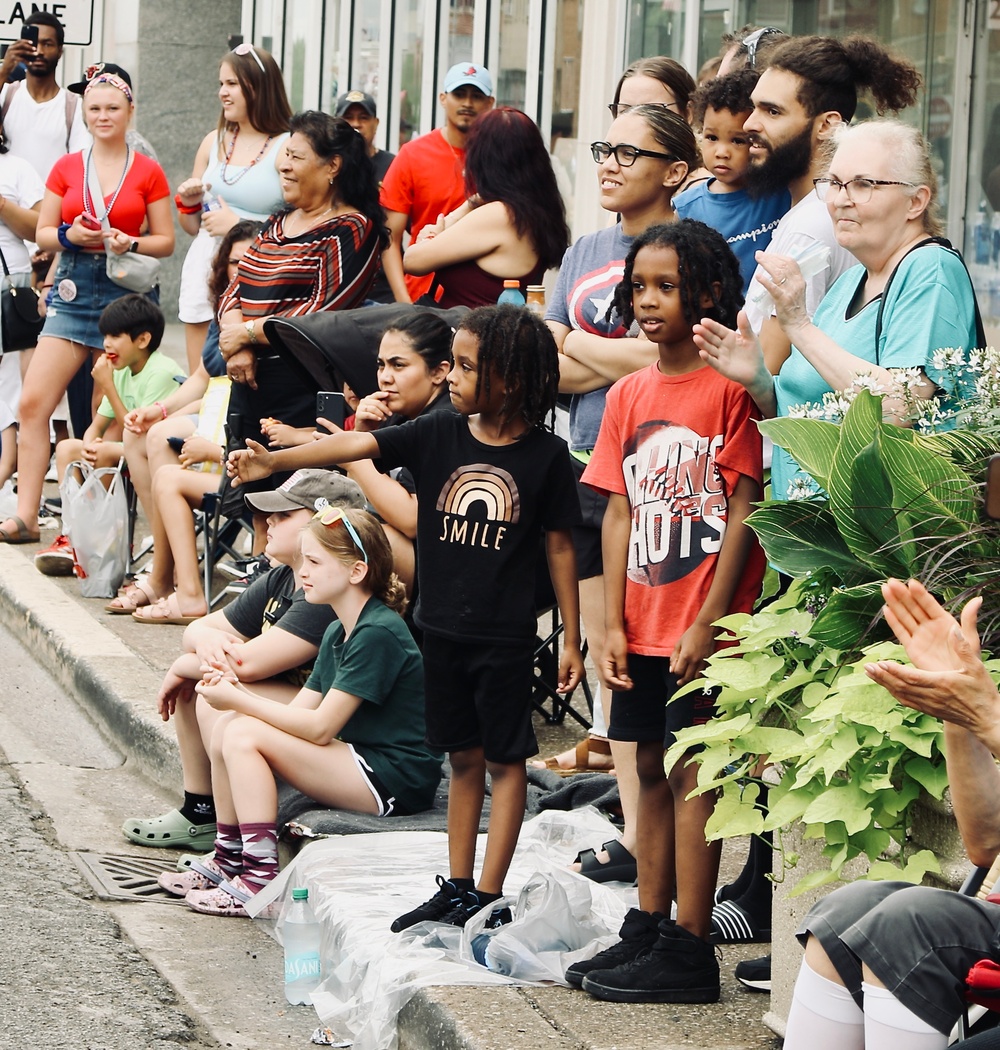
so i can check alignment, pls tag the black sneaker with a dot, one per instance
(638, 934)
(734, 924)
(469, 903)
(433, 910)
(679, 968)
(755, 974)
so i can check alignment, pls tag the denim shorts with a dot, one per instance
(75, 319)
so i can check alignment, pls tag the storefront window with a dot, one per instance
(459, 39)
(510, 75)
(410, 35)
(656, 27)
(365, 53)
(302, 53)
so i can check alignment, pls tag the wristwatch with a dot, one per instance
(251, 331)
(134, 247)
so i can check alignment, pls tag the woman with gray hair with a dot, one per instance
(909, 297)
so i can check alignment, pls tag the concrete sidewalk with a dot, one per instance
(112, 666)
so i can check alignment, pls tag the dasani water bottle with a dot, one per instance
(301, 938)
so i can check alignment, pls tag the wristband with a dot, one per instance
(186, 209)
(162, 407)
(62, 234)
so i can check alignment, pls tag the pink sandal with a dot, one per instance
(202, 875)
(226, 899)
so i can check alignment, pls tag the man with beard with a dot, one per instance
(810, 88)
(427, 178)
(41, 121)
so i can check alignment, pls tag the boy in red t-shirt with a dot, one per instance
(679, 456)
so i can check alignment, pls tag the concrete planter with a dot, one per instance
(933, 828)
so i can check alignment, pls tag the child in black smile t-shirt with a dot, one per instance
(490, 481)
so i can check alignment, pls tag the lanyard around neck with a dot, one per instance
(92, 187)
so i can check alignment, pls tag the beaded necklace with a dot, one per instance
(229, 154)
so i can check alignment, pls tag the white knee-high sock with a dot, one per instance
(823, 1016)
(889, 1025)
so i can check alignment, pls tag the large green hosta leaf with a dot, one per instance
(800, 536)
(858, 473)
(934, 498)
(810, 442)
(851, 618)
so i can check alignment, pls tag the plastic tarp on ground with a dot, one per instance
(359, 883)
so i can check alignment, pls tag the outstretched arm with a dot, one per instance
(949, 680)
(255, 462)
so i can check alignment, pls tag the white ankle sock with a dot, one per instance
(889, 1025)
(823, 1015)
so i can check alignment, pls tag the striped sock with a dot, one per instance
(229, 849)
(260, 854)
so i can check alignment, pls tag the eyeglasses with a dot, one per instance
(330, 516)
(752, 42)
(858, 190)
(625, 155)
(248, 49)
(617, 109)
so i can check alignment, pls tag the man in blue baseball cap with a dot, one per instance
(427, 178)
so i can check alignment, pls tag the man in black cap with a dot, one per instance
(358, 109)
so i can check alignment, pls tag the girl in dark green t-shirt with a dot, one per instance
(353, 738)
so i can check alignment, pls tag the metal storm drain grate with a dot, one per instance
(125, 878)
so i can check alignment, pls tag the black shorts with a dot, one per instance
(642, 713)
(587, 536)
(479, 695)
(920, 942)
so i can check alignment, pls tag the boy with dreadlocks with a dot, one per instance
(489, 480)
(679, 457)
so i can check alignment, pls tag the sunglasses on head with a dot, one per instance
(248, 49)
(752, 41)
(330, 516)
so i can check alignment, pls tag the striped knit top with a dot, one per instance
(329, 267)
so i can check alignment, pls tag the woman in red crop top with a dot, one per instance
(137, 204)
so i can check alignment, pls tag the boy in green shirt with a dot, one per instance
(131, 373)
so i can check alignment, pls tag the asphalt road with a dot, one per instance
(69, 977)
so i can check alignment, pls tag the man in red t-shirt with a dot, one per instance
(427, 178)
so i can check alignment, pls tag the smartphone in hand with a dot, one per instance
(176, 444)
(330, 405)
(92, 222)
(30, 33)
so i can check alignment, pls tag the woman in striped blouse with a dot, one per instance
(322, 253)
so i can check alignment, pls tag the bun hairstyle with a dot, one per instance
(383, 583)
(673, 135)
(428, 335)
(834, 71)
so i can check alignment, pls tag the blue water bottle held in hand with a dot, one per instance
(301, 937)
(209, 201)
(511, 294)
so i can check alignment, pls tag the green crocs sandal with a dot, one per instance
(173, 829)
(186, 860)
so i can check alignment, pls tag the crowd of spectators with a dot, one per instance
(759, 251)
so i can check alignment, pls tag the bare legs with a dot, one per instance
(53, 365)
(671, 828)
(194, 339)
(247, 752)
(465, 807)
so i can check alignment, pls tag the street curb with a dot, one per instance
(95, 667)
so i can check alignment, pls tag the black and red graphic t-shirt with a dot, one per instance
(676, 446)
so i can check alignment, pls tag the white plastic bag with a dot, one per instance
(96, 520)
